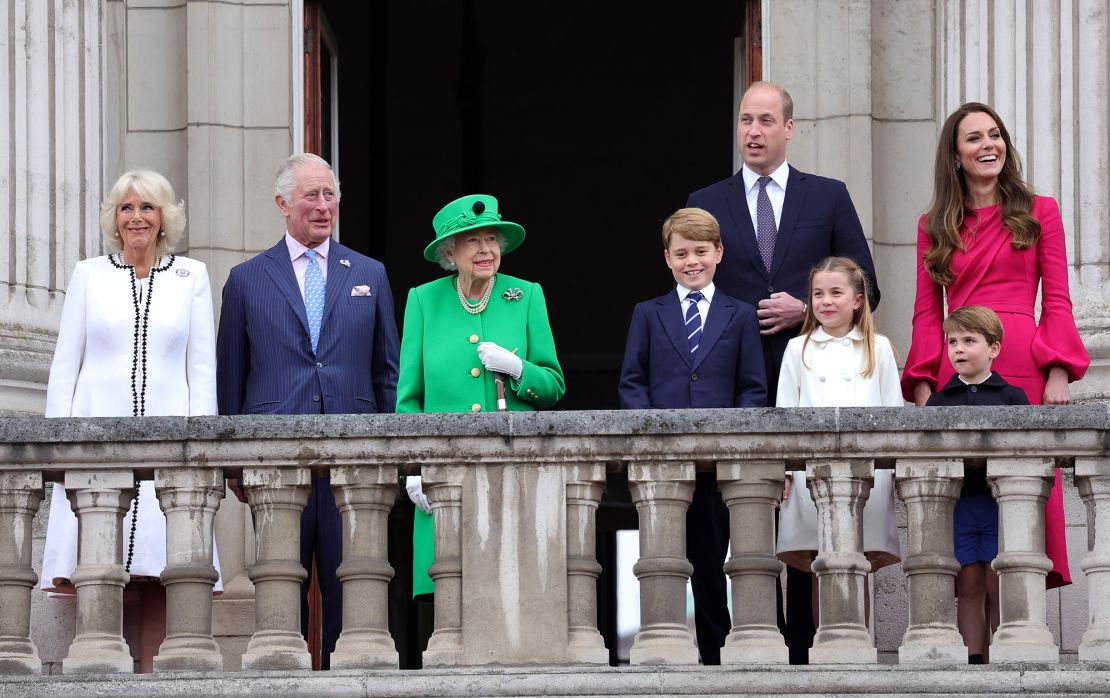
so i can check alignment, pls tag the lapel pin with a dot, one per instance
(345, 262)
(182, 271)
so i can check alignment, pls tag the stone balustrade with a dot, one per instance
(514, 498)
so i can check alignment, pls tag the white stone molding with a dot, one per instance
(20, 495)
(443, 484)
(585, 485)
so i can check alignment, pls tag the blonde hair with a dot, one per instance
(154, 189)
(861, 318)
(975, 318)
(693, 224)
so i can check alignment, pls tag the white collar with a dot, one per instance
(989, 374)
(296, 249)
(779, 176)
(820, 335)
(707, 292)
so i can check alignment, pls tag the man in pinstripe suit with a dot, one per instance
(307, 327)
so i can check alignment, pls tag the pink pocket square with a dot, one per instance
(360, 291)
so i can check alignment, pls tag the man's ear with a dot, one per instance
(282, 206)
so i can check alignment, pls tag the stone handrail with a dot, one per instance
(514, 497)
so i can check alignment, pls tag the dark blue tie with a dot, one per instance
(766, 230)
(693, 321)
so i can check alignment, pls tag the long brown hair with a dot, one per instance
(946, 211)
(861, 318)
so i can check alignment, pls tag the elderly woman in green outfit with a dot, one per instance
(462, 329)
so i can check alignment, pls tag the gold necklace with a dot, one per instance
(474, 309)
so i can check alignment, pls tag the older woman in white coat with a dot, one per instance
(136, 339)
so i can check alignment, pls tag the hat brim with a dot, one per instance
(513, 233)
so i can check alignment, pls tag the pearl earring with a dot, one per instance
(161, 232)
(957, 165)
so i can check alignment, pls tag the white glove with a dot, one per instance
(416, 493)
(496, 358)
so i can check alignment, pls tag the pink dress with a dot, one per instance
(990, 272)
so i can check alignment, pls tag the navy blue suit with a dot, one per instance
(727, 371)
(818, 220)
(265, 365)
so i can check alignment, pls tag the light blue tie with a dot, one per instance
(313, 297)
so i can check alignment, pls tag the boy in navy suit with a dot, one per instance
(974, 337)
(697, 347)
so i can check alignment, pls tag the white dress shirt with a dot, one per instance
(300, 262)
(703, 304)
(776, 192)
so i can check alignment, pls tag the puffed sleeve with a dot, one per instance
(69, 351)
(541, 378)
(790, 376)
(1057, 341)
(886, 370)
(410, 380)
(927, 345)
(200, 355)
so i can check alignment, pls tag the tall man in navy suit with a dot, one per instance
(776, 224)
(307, 328)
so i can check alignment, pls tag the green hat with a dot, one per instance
(469, 213)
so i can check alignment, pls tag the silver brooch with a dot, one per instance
(513, 294)
(181, 271)
(345, 262)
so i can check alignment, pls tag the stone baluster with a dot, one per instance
(840, 489)
(189, 497)
(585, 485)
(930, 488)
(443, 484)
(751, 489)
(662, 493)
(1021, 486)
(20, 494)
(1092, 477)
(277, 497)
(365, 494)
(100, 499)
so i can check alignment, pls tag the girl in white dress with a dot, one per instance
(838, 361)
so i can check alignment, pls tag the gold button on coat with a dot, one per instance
(473, 339)
(475, 372)
(475, 407)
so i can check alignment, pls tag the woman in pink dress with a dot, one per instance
(988, 240)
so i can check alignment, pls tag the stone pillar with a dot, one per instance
(585, 485)
(930, 488)
(277, 497)
(365, 494)
(20, 494)
(1092, 477)
(50, 82)
(662, 493)
(100, 499)
(189, 497)
(443, 484)
(1021, 486)
(751, 489)
(840, 489)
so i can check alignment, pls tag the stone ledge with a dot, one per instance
(1026, 680)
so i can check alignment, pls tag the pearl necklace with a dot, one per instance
(474, 309)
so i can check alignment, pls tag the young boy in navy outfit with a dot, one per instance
(974, 337)
(697, 347)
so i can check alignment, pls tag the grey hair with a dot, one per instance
(448, 245)
(152, 188)
(286, 174)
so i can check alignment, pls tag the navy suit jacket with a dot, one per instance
(727, 371)
(264, 358)
(818, 220)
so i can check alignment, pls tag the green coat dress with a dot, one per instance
(440, 370)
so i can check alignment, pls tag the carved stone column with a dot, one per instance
(189, 497)
(100, 500)
(662, 493)
(1092, 477)
(20, 494)
(443, 484)
(840, 489)
(277, 497)
(585, 485)
(751, 489)
(930, 488)
(365, 494)
(1021, 486)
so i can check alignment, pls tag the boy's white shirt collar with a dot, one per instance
(988, 377)
(820, 335)
(707, 292)
(779, 176)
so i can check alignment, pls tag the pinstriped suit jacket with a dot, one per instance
(265, 363)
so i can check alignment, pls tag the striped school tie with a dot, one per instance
(693, 321)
